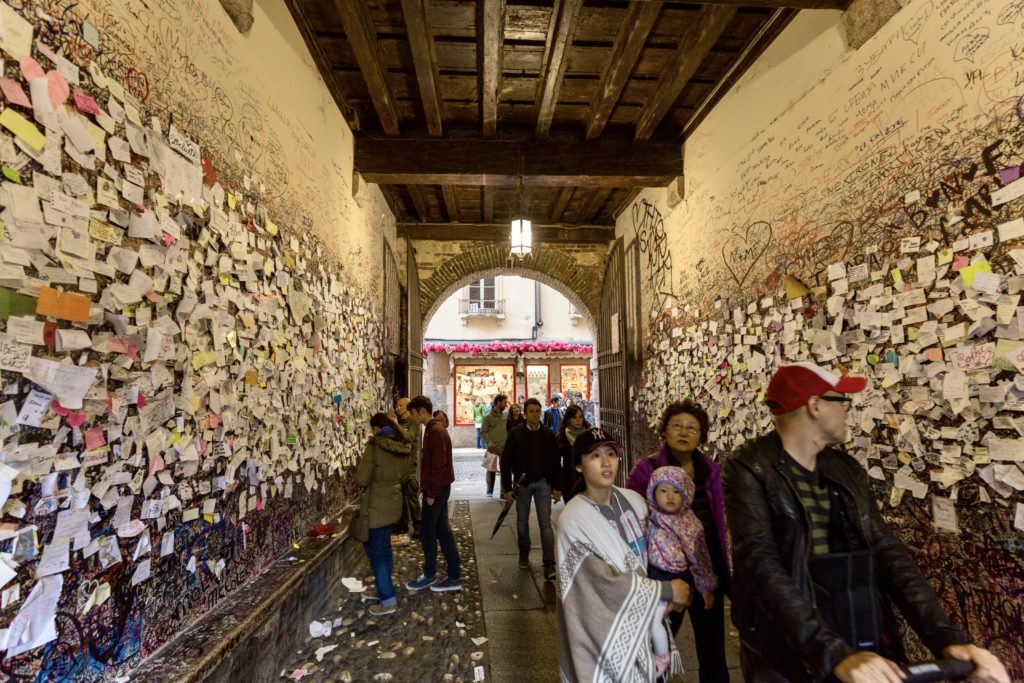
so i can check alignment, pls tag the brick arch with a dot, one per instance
(548, 265)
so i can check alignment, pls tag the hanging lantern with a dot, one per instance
(522, 237)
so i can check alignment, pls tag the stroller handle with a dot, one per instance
(938, 670)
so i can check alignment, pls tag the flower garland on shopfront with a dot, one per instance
(514, 347)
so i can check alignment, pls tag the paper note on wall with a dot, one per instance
(63, 305)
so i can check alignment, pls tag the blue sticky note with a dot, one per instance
(90, 34)
(891, 357)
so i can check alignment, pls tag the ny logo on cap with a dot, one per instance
(599, 434)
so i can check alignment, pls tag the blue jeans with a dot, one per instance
(378, 550)
(434, 528)
(540, 492)
(479, 439)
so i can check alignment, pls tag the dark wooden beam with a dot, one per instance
(451, 206)
(487, 204)
(421, 43)
(416, 193)
(497, 162)
(774, 4)
(694, 46)
(626, 201)
(393, 198)
(362, 36)
(323, 64)
(560, 32)
(499, 232)
(558, 205)
(595, 200)
(629, 42)
(492, 29)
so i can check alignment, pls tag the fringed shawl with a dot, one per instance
(606, 602)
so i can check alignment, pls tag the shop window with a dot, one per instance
(483, 382)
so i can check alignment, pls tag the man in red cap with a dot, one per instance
(816, 569)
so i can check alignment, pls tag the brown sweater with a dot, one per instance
(436, 468)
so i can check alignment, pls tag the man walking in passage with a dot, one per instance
(531, 453)
(411, 513)
(494, 435)
(437, 473)
(553, 415)
(816, 569)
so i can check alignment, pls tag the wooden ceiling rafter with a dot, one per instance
(362, 36)
(492, 25)
(625, 52)
(560, 33)
(577, 234)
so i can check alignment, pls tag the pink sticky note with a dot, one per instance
(1008, 175)
(168, 239)
(58, 87)
(85, 103)
(297, 674)
(960, 262)
(76, 418)
(30, 69)
(94, 438)
(14, 93)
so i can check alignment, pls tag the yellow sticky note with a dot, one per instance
(232, 201)
(202, 359)
(20, 126)
(944, 256)
(968, 272)
(897, 276)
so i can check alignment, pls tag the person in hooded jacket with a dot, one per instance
(387, 464)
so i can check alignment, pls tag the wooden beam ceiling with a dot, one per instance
(778, 4)
(629, 42)
(581, 234)
(692, 50)
(494, 162)
(362, 36)
(491, 47)
(421, 43)
(560, 32)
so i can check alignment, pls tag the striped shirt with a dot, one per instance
(814, 497)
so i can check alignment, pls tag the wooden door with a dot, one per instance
(392, 324)
(612, 355)
(414, 324)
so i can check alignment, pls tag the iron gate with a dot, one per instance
(414, 329)
(392, 332)
(611, 355)
(641, 438)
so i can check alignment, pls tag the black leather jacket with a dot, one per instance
(773, 600)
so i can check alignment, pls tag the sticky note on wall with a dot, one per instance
(63, 305)
(23, 128)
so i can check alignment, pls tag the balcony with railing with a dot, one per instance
(481, 308)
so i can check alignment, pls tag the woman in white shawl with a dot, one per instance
(607, 605)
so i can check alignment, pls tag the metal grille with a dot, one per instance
(415, 329)
(642, 439)
(611, 355)
(392, 319)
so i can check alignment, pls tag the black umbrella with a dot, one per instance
(508, 505)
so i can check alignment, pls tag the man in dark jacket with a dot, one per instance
(437, 472)
(531, 453)
(411, 512)
(799, 510)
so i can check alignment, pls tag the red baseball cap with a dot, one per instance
(792, 385)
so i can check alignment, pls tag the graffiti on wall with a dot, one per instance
(649, 232)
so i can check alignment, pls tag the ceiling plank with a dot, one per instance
(694, 46)
(487, 204)
(626, 201)
(362, 36)
(629, 43)
(778, 4)
(558, 205)
(496, 162)
(421, 42)
(494, 232)
(560, 32)
(596, 199)
(451, 205)
(492, 29)
(419, 202)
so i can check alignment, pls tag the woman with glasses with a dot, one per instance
(684, 428)
(607, 605)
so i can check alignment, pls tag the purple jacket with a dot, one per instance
(640, 477)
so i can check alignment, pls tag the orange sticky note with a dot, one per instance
(934, 354)
(63, 305)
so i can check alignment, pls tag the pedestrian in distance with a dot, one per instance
(382, 471)
(515, 417)
(531, 459)
(438, 473)
(442, 416)
(553, 415)
(409, 525)
(479, 410)
(684, 429)
(817, 570)
(573, 426)
(607, 605)
(494, 435)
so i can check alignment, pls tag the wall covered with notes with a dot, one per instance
(875, 226)
(189, 319)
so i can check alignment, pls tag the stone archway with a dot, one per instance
(573, 272)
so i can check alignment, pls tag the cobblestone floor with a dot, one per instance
(428, 639)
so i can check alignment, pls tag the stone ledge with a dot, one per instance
(250, 633)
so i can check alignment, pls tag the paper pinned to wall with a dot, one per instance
(35, 624)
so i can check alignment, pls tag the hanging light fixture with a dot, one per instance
(522, 230)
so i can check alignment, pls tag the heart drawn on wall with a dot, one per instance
(742, 251)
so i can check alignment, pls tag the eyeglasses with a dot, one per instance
(693, 429)
(845, 400)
